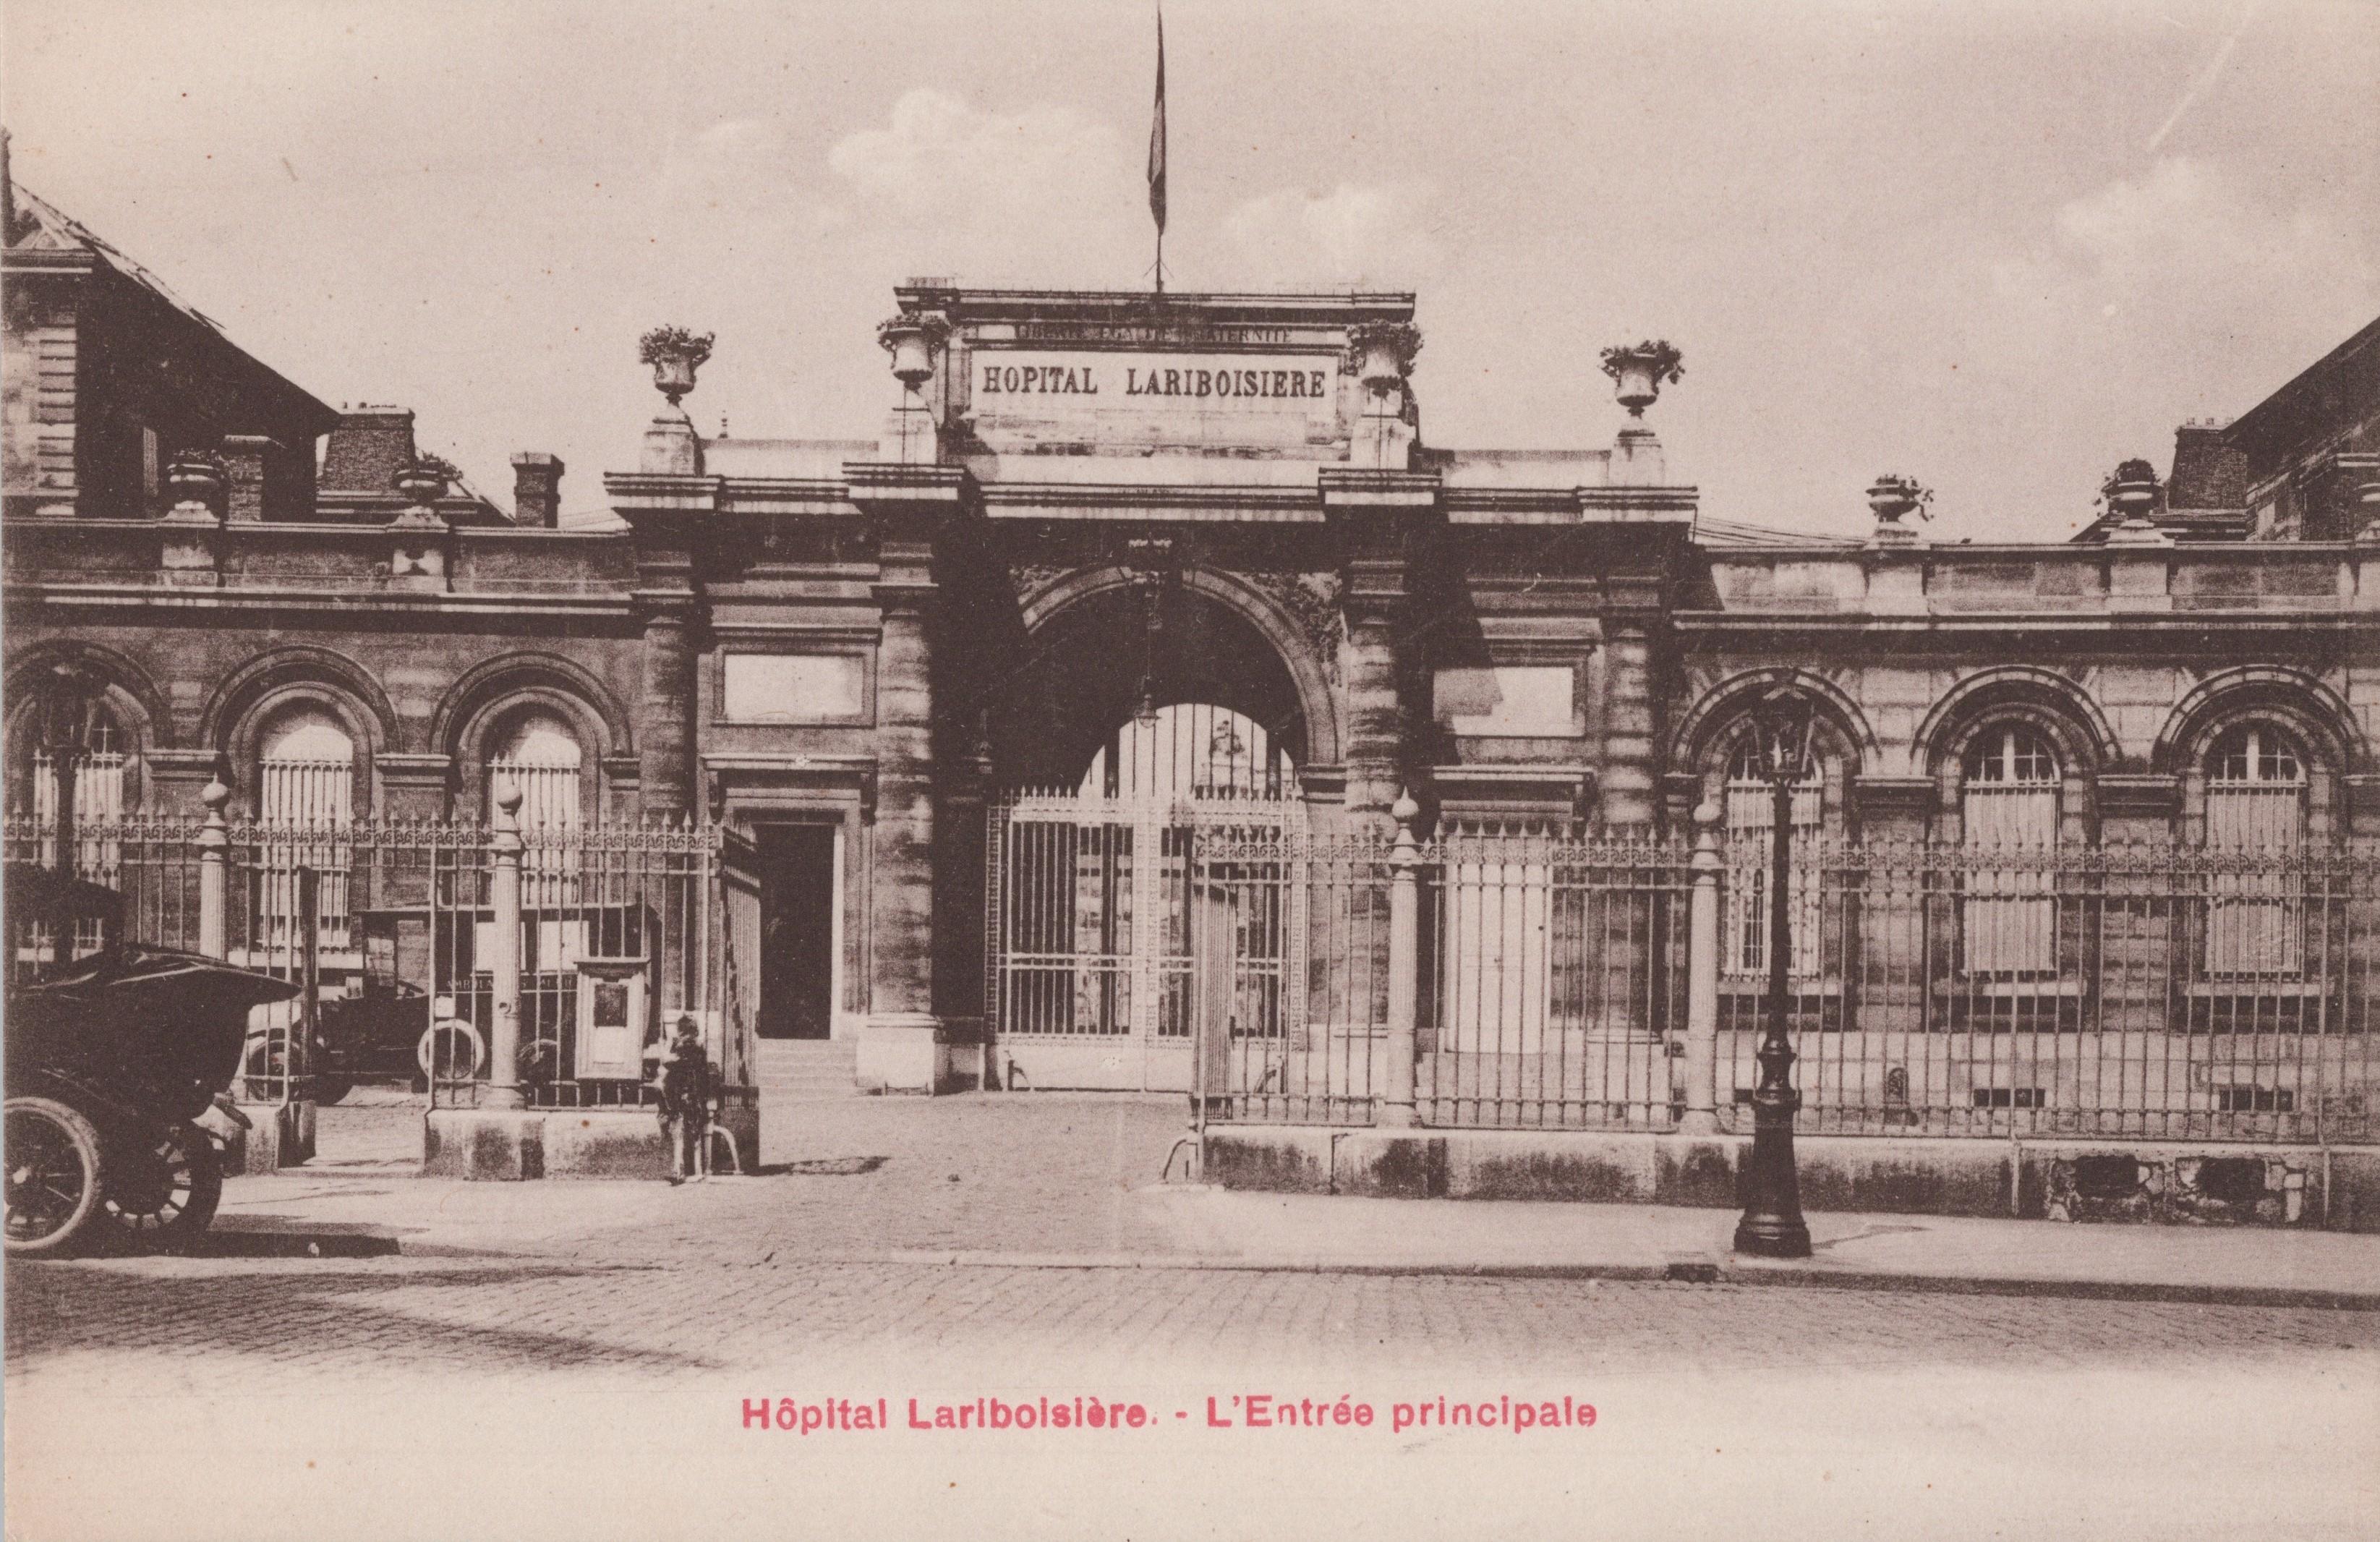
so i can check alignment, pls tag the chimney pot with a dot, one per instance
(537, 490)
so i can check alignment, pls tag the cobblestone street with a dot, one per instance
(355, 1315)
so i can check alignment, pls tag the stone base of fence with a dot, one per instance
(278, 1135)
(915, 1051)
(2196, 1183)
(509, 1145)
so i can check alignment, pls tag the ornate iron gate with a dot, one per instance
(1089, 917)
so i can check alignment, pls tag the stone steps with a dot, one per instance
(801, 1068)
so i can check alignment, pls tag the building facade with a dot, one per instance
(1120, 566)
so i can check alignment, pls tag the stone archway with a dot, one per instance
(1099, 639)
(1151, 712)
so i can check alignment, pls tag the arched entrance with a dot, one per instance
(1154, 723)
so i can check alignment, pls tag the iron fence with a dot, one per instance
(2156, 991)
(393, 927)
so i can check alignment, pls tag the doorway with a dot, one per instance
(799, 930)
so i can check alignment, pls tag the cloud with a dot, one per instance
(2187, 253)
(1044, 190)
(1361, 235)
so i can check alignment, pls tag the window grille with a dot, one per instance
(2009, 806)
(542, 761)
(2255, 806)
(98, 801)
(305, 801)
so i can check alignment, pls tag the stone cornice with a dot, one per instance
(1911, 796)
(2137, 795)
(411, 769)
(1640, 504)
(346, 602)
(876, 481)
(1172, 502)
(1346, 489)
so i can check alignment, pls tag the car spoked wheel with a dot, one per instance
(54, 1175)
(169, 1194)
(265, 1069)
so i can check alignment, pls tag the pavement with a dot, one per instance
(1054, 1180)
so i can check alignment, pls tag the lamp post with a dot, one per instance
(1772, 1225)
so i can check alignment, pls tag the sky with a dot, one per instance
(1995, 246)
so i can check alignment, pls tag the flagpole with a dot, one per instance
(1156, 154)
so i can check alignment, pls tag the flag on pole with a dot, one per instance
(1157, 135)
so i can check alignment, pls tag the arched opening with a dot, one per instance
(2255, 834)
(1102, 670)
(305, 800)
(1190, 749)
(1151, 715)
(539, 754)
(2009, 807)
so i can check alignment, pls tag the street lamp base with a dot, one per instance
(1772, 1236)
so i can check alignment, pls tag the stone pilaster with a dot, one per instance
(1377, 514)
(903, 1044)
(1630, 727)
(1376, 715)
(665, 707)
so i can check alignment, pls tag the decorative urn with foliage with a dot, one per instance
(675, 354)
(914, 341)
(2132, 491)
(1382, 353)
(426, 480)
(1894, 497)
(1640, 370)
(196, 476)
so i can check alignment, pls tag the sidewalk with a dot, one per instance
(1069, 1182)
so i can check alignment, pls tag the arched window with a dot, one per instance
(1751, 809)
(541, 756)
(305, 800)
(2008, 801)
(2256, 821)
(99, 782)
(306, 770)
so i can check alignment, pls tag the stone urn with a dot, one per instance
(1382, 353)
(2131, 492)
(1639, 370)
(1893, 498)
(425, 481)
(675, 354)
(915, 342)
(196, 479)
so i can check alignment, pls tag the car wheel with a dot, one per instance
(168, 1198)
(330, 1089)
(264, 1071)
(54, 1175)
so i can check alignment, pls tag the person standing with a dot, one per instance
(685, 1084)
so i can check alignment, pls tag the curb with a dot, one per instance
(1674, 1272)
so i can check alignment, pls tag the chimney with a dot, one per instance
(2209, 472)
(537, 490)
(364, 453)
(244, 463)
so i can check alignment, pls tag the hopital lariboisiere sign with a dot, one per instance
(1134, 395)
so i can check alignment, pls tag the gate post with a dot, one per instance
(505, 952)
(215, 874)
(1702, 978)
(1397, 1109)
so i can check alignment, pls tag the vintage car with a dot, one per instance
(110, 1059)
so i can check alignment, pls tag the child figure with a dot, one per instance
(685, 1084)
